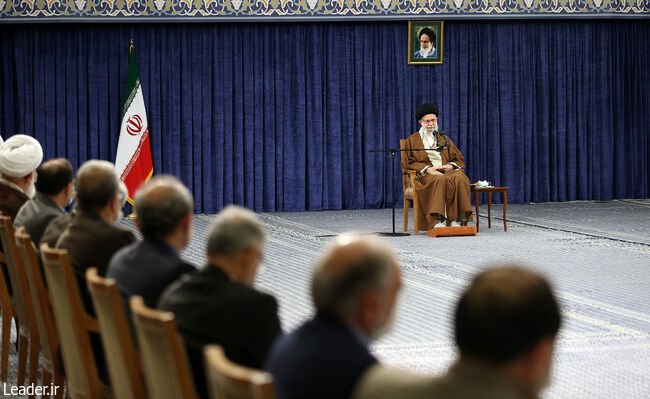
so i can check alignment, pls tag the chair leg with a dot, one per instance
(23, 341)
(416, 210)
(59, 385)
(34, 351)
(47, 378)
(6, 342)
(406, 214)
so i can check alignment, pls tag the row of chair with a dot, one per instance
(51, 320)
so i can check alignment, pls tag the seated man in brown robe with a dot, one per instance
(441, 185)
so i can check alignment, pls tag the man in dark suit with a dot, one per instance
(54, 191)
(164, 216)
(354, 289)
(92, 237)
(219, 304)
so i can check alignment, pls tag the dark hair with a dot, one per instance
(54, 176)
(96, 185)
(160, 205)
(427, 31)
(504, 312)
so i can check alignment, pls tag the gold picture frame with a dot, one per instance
(427, 28)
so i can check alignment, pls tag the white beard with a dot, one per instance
(31, 190)
(424, 52)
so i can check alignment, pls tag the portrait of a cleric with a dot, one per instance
(442, 187)
(427, 40)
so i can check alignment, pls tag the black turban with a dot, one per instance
(428, 32)
(426, 109)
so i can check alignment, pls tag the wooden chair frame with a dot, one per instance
(81, 370)
(122, 357)
(408, 181)
(7, 312)
(28, 338)
(52, 372)
(228, 380)
(177, 381)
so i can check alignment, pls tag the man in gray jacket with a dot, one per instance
(54, 191)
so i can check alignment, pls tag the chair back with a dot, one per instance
(21, 294)
(7, 315)
(73, 325)
(164, 359)
(40, 299)
(121, 355)
(227, 380)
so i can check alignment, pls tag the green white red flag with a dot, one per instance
(133, 159)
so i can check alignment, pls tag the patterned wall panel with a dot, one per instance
(241, 10)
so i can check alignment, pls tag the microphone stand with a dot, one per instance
(392, 152)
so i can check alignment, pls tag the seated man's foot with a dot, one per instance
(455, 224)
(440, 224)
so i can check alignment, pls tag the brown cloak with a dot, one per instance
(434, 192)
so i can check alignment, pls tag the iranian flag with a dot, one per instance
(133, 160)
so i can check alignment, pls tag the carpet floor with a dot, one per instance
(597, 256)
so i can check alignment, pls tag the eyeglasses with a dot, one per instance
(429, 120)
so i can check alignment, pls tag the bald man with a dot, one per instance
(354, 288)
(219, 304)
(20, 155)
(164, 216)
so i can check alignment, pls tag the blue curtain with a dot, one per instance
(282, 116)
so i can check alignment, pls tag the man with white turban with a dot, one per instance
(20, 155)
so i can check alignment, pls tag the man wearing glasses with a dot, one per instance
(441, 185)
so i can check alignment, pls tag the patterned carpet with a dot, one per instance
(597, 255)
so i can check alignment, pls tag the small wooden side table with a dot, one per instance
(489, 190)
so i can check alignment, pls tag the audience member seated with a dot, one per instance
(20, 155)
(92, 237)
(54, 191)
(354, 289)
(164, 216)
(218, 304)
(505, 328)
(56, 227)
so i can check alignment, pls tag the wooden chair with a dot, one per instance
(121, 355)
(52, 372)
(166, 367)
(227, 380)
(74, 326)
(408, 187)
(28, 339)
(7, 312)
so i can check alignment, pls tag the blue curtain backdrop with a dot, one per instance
(281, 116)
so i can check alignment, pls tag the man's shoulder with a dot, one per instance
(380, 381)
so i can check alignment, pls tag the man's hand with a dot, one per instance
(433, 171)
(444, 168)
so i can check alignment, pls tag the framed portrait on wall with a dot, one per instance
(425, 42)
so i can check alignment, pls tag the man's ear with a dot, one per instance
(369, 308)
(186, 222)
(539, 358)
